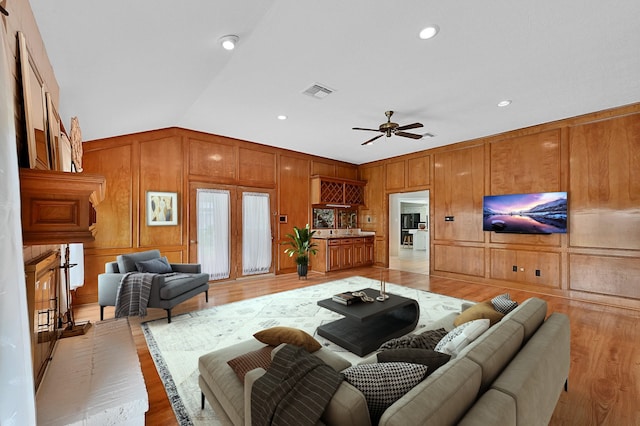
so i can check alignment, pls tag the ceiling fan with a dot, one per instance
(389, 128)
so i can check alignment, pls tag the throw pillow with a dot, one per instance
(431, 359)
(244, 363)
(425, 340)
(276, 335)
(384, 383)
(458, 338)
(503, 303)
(479, 311)
(154, 266)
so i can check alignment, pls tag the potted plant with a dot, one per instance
(301, 246)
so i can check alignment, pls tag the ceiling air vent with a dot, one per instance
(318, 91)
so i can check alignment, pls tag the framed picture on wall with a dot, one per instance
(162, 208)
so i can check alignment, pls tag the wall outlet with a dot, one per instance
(537, 272)
(515, 268)
(448, 218)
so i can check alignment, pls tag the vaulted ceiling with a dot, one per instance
(128, 66)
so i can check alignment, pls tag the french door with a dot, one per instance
(231, 230)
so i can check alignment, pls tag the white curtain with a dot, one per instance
(17, 405)
(76, 273)
(213, 232)
(256, 233)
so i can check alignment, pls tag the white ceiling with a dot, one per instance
(127, 66)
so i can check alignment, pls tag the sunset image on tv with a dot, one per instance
(537, 213)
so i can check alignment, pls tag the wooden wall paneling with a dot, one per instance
(214, 159)
(604, 184)
(115, 226)
(418, 172)
(323, 169)
(256, 168)
(465, 260)
(395, 175)
(293, 201)
(346, 172)
(530, 163)
(526, 164)
(608, 275)
(459, 190)
(159, 171)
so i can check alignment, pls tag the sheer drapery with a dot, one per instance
(256, 233)
(213, 232)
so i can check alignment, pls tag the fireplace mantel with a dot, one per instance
(59, 207)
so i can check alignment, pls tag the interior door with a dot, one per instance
(253, 220)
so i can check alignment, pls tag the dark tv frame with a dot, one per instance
(511, 207)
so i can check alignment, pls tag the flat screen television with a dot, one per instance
(537, 213)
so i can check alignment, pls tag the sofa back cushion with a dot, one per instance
(531, 313)
(127, 262)
(494, 349)
(440, 399)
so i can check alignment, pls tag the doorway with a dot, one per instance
(231, 230)
(409, 232)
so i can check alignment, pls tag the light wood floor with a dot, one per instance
(604, 382)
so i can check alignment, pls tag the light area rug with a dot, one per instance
(176, 347)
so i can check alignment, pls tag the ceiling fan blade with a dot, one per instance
(362, 128)
(409, 135)
(409, 126)
(372, 139)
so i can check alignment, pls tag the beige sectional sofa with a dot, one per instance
(512, 374)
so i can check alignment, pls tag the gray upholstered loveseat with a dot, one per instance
(164, 294)
(512, 374)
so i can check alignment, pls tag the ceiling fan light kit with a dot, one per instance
(390, 128)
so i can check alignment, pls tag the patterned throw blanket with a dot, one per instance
(294, 391)
(133, 294)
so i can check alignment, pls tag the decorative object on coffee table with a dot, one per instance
(383, 295)
(301, 247)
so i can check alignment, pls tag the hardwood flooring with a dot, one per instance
(604, 381)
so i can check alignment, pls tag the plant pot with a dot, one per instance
(302, 271)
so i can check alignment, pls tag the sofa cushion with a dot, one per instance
(535, 377)
(531, 313)
(154, 266)
(494, 349)
(260, 358)
(493, 408)
(479, 311)
(503, 303)
(440, 399)
(274, 336)
(221, 379)
(431, 359)
(426, 340)
(127, 262)
(384, 383)
(177, 284)
(461, 336)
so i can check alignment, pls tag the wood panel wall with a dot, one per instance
(178, 160)
(595, 158)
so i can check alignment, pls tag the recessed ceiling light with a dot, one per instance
(504, 103)
(429, 32)
(282, 117)
(229, 42)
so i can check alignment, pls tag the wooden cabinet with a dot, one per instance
(328, 190)
(342, 253)
(531, 267)
(42, 299)
(59, 207)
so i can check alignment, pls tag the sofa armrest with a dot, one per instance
(187, 268)
(107, 288)
(249, 379)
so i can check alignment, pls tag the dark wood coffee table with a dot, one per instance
(367, 325)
